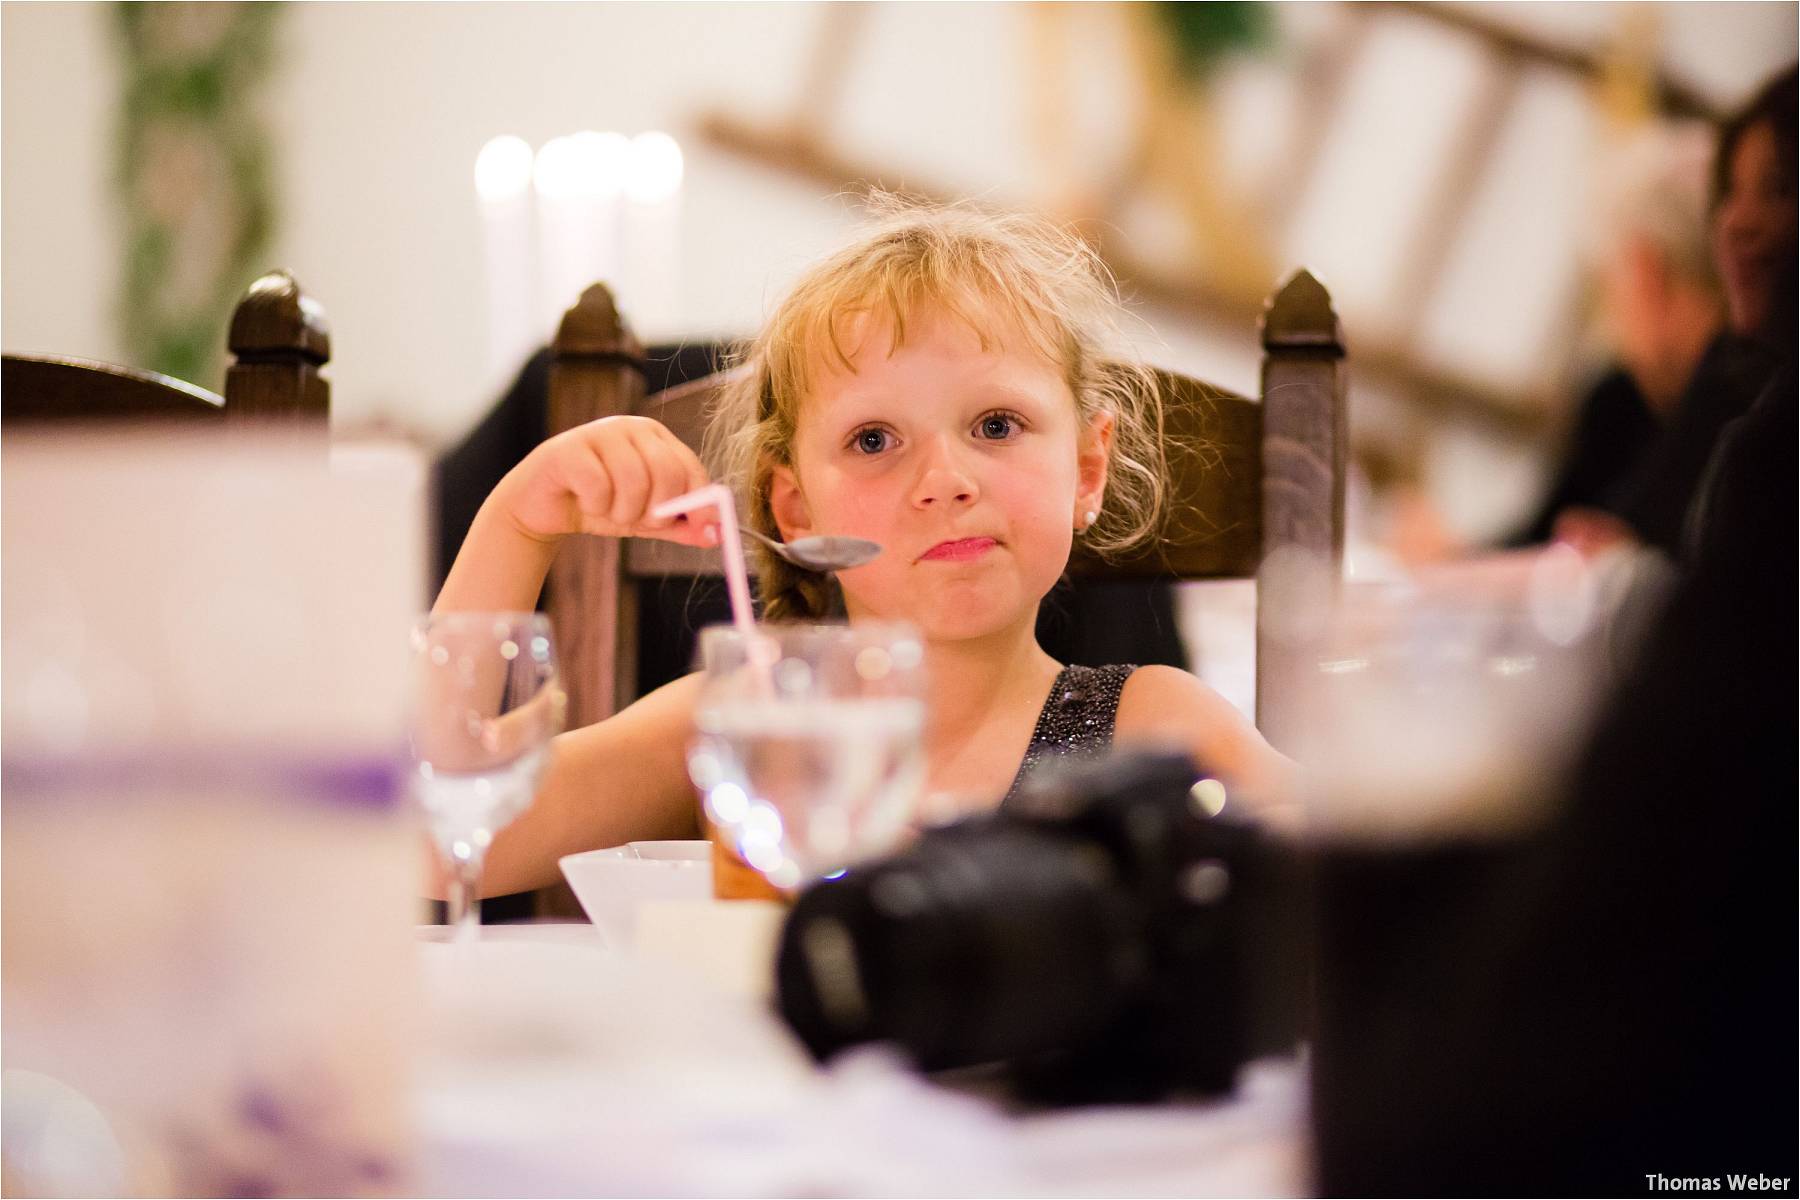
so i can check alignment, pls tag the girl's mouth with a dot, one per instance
(961, 550)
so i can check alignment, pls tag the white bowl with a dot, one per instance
(612, 883)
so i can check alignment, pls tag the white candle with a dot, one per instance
(578, 180)
(503, 195)
(652, 253)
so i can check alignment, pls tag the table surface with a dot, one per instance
(553, 1065)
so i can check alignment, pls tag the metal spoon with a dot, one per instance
(820, 553)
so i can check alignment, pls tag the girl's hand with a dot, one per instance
(604, 478)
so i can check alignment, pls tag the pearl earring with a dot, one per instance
(1089, 518)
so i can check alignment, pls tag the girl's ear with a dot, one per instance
(1091, 458)
(788, 503)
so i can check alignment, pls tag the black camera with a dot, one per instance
(1115, 934)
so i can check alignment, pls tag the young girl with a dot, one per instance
(950, 386)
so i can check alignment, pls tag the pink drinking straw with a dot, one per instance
(737, 579)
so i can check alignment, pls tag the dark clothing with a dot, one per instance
(1616, 998)
(1654, 498)
(1613, 431)
(1098, 621)
(1077, 718)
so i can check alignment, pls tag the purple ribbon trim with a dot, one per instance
(367, 781)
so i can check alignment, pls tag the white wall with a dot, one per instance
(59, 244)
(385, 106)
(379, 110)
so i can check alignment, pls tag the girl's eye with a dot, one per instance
(870, 440)
(998, 426)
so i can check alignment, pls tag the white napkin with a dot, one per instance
(564, 1070)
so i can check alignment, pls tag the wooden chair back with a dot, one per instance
(278, 340)
(1258, 494)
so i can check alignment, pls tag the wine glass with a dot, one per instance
(809, 743)
(486, 702)
(1447, 706)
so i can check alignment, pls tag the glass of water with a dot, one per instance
(486, 702)
(809, 743)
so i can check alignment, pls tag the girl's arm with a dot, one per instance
(1166, 705)
(601, 478)
(623, 779)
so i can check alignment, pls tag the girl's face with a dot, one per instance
(1753, 231)
(971, 467)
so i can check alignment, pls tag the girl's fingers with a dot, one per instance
(693, 529)
(630, 474)
(590, 483)
(668, 478)
(606, 477)
(677, 470)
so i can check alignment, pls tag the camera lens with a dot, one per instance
(986, 941)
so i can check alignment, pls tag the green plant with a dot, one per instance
(193, 175)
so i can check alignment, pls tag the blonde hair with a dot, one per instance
(986, 270)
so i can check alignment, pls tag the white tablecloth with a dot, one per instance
(553, 1066)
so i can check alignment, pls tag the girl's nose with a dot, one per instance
(943, 480)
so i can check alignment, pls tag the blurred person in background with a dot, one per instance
(1753, 237)
(1693, 300)
(1610, 1005)
(1754, 233)
(1660, 308)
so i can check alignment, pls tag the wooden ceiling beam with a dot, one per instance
(1435, 392)
(1675, 98)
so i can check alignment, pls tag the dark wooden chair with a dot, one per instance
(278, 339)
(1259, 494)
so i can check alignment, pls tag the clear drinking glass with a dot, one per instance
(809, 743)
(486, 702)
(1448, 706)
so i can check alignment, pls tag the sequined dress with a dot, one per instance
(1077, 718)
